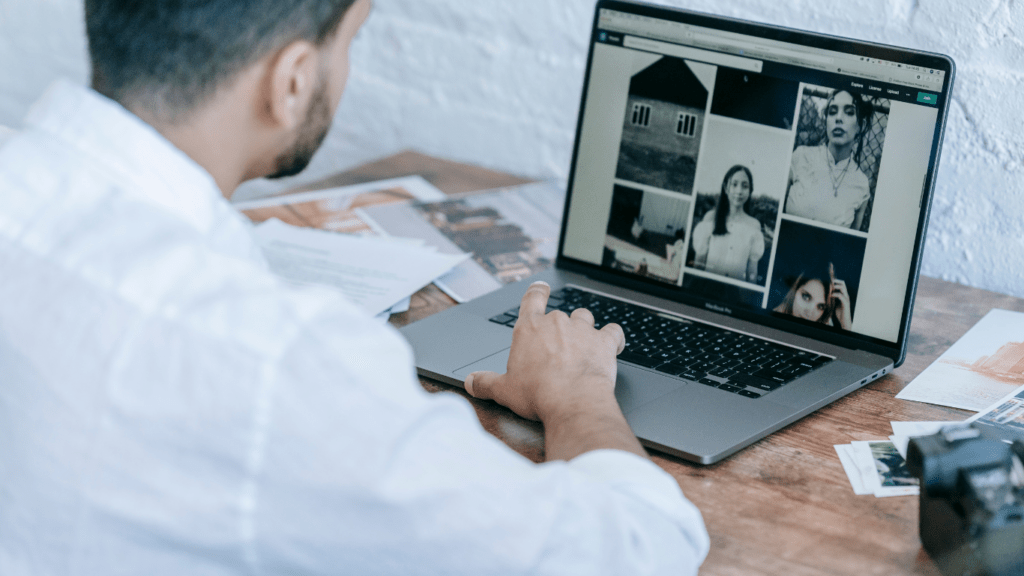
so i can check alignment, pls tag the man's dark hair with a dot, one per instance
(169, 56)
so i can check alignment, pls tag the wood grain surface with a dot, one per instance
(783, 505)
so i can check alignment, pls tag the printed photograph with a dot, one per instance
(740, 186)
(890, 466)
(721, 291)
(664, 120)
(816, 275)
(337, 214)
(839, 142)
(1009, 414)
(498, 244)
(647, 233)
(981, 368)
(755, 98)
(1006, 419)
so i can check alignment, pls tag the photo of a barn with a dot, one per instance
(663, 125)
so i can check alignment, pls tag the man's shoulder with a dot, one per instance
(63, 214)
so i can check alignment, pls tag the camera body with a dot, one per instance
(972, 501)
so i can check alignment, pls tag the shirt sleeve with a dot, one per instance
(362, 472)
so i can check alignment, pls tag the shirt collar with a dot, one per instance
(119, 140)
(154, 170)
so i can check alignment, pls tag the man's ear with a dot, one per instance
(291, 82)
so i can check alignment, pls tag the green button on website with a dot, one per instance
(926, 97)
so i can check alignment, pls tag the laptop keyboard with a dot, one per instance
(716, 357)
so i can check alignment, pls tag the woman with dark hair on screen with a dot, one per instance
(729, 241)
(826, 183)
(819, 297)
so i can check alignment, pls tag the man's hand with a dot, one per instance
(556, 360)
(561, 371)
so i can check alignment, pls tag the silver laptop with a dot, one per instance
(750, 204)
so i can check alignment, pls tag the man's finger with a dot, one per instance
(535, 301)
(583, 314)
(615, 333)
(481, 384)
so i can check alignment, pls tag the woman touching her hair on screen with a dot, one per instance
(729, 240)
(820, 298)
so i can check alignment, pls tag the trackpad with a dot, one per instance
(497, 362)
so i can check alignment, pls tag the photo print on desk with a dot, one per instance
(664, 121)
(816, 274)
(1005, 418)
(339, 209)
(839, 140)
(646, 233)
(498, 244)
(979, 369)
(884, 471)
(745, 166)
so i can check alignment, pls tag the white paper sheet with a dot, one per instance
(375, 274)
(902, 432)
(846, 458)
(980, 368)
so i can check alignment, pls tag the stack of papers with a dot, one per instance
(876, 467)
(879, 467)
(373, 272)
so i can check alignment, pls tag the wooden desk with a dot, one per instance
(783, 505)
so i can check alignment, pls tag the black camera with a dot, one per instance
(972, 501)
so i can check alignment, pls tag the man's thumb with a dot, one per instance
(480, 384)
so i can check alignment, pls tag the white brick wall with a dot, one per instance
(497, 82)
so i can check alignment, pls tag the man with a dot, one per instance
(168, 407)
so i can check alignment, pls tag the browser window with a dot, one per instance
(751, 172)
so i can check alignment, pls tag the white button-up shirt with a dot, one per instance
(168, 407)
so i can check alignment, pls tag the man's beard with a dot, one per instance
(311, 136)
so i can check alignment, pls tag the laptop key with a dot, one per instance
(701, 366)
(749, 394)
(772, 376)
(502, 319)
(709, 382)
(729, 388)
(673, 368)
(640, 359)
(754, 382)
(722, 373)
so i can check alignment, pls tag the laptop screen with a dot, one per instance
(755, 169)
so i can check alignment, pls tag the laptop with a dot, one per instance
(749, 202)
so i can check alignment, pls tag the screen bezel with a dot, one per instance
(894, 350)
